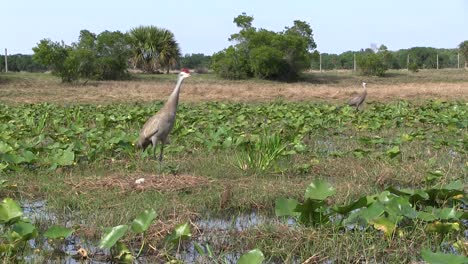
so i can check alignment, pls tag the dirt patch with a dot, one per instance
(162, 183)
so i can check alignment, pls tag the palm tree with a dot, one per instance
(152, 48)
(169, 53)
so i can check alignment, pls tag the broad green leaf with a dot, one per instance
(286, 206)
(254, 256)
(4, 147)
(10, 211)
(442, 258)
(361, 202)
(447, 191)
(366, 214)
(55, 232)
(143, 221)
(28, 156)
(180, 232)
(25, 230)
(393, 152)
(121, 253)
(442, 228)
(384, 224)
(425, 216)
(415, 195)
(433, 175)
(112, 235)
(65, 157)
(319, 190)
(447, 213)
(400, 206)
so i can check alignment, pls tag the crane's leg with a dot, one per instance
(154, 142)
(161, 153)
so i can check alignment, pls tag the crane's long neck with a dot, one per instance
(173, 100)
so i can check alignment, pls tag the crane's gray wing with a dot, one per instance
(151, 127)
(354, 101)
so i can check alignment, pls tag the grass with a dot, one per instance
(98, 195)
(335, 87)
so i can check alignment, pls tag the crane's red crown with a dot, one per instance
(185, 70)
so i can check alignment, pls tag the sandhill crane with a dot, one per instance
(358, 100)
(157, 128)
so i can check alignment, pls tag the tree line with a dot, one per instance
(419, 57)
(255, 52)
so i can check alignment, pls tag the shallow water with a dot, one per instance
(212, 231)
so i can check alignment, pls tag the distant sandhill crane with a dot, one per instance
(158, 127)
(358, 100)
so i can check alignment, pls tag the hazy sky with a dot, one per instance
(205, 26)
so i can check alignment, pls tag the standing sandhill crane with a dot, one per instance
(358, 100)
(157, 128)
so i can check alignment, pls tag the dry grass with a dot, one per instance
(333, 88)
(134, 182)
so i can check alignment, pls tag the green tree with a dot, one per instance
(265, 54)
(371, 64)
(57, 56)
(195, 60)
(463, 47)
(169, 51)
(111, 55)
(102, 57)
(153, 48)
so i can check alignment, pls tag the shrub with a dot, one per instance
(230, 64)
(413, 67)
(371, 64)
(265, 54)
(266, 62)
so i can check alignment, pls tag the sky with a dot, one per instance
(205, 26)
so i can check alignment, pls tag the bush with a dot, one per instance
(266, 62)
(265, 54)
(413, 67)
(230, 64)
(371, 64)
(101, 57)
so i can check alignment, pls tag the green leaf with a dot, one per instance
(286, 206)
(4, 147)
(25, 230)
(180, 232)
(55, 232)
(443, 228)
(319, 190)
(122, 253)
(254, 256)
(28, 156)
(384, 224)
(367, 214)
(442, 258)
(447, 213)
(199, 249)
(361, 202)
(393, 152)
(414, 195)
(112, 235)
(10, 211)
(65, 157)
(400, 206)
(433, 175)
(143, 221)
(425, 216)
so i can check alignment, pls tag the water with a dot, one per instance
(212, 231)
(218, 231)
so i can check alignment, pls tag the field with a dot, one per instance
(285, 168)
